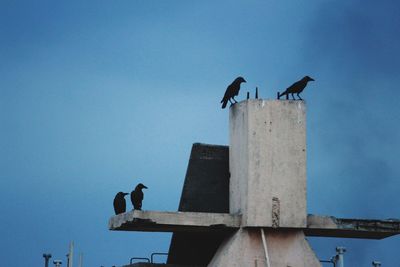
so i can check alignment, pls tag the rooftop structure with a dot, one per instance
(246, 205)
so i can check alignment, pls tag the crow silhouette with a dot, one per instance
(232, 91)
(137, 196)
(120, 203)
(296, 88)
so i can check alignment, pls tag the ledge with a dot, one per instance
(157, 221)
(329, 226)
(323, 226)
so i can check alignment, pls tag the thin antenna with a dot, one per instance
(46, 259)
(71, 254)
(80, 259)
(248, 95)
(339, 255)
(256, 92)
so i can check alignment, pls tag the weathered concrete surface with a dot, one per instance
(285, 248)
(213, 223)
(290, 248)
(267, 159)
(329, 226)
(157, 221)
(244, 248)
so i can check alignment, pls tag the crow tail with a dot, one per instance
(224, 103)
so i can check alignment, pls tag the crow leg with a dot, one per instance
(293, 96)
(298, 94)
(234, 99)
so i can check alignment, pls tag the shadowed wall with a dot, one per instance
(206, 189)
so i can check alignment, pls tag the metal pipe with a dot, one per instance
(339, 254)
(264, 241)
(329, 261)
(71, 254)
(376, 263)
(46, 259)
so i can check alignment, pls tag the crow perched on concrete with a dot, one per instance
(119, 203)
(137, 196)
(296, 88)
(232, 91)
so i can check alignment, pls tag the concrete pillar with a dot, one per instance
(267, 161)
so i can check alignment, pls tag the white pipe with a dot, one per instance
(80, 259)
(340, 252)
(71, 254)
(264, 241)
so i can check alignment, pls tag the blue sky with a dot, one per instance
(97, 96)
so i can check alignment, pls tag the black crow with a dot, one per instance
(232, 91)
(137, 196)
(119, 203)
(296, 88)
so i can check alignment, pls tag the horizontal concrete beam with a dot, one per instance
(329, 226)
(157, 221)
(323, 226)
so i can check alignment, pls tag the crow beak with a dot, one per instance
(244, 81)
(126, 194)
(144, 186)
(311, 79)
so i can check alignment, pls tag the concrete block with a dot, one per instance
(267, 159)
